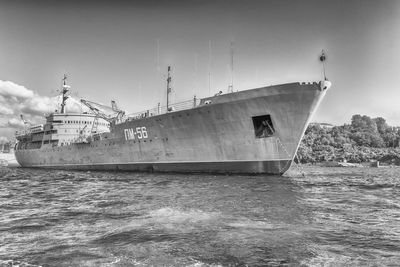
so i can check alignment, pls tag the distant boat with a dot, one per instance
(5, 148)
(251, 131)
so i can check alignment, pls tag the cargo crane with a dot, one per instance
(26, 122)
(98, 109)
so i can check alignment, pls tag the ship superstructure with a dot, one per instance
(61, 128)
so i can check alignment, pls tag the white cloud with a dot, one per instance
(15, 123)
(16, 99)
(9, 89)
(6, 111)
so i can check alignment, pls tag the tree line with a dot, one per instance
(363, 140)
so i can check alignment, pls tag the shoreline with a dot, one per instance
(330, 164)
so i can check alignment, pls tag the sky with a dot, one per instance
(120, 50)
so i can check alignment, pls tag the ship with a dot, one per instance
(255, 131)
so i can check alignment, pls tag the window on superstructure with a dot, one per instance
(263, 126)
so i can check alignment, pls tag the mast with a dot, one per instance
(322, 58)
(168, 86)
(65, 89)
(209, 67)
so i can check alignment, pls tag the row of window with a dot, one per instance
(85, 122)
(51, 132)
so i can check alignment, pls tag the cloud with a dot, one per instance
(6, 111)
(16, 99)
(15, 123)
(9, 89)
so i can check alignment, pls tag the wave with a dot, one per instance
(175, 215)
(16, 263)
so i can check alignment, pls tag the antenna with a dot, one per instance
(168, 86)
(158, 55)
(209, 67)
(195, 73)
(230, 87)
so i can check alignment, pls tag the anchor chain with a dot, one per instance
(299, 168)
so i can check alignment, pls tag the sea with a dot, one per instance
(313, 216)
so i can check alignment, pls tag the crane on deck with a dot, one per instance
(115, 115)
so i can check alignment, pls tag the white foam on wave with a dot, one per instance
(13, 263)
(182, 220)
(251, 224)
(159, 259)
(202, 264)
(175, 215)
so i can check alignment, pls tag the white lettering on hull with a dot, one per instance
(140, 133)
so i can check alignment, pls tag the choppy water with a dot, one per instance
(330, 217)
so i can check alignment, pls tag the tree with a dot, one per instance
(381, 125)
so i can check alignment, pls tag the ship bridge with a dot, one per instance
(66, 128)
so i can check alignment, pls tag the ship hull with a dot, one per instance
(219, 137)
(228, 167)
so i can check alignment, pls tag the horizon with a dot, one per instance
(120, 51)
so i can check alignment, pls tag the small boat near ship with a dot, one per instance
(250, 131)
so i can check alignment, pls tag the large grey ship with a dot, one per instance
(249, 131)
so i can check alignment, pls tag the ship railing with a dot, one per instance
(22, 132)
(158, 110)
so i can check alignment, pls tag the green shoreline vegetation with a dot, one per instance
(364, 140)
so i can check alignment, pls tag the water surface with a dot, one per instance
(329, 217)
